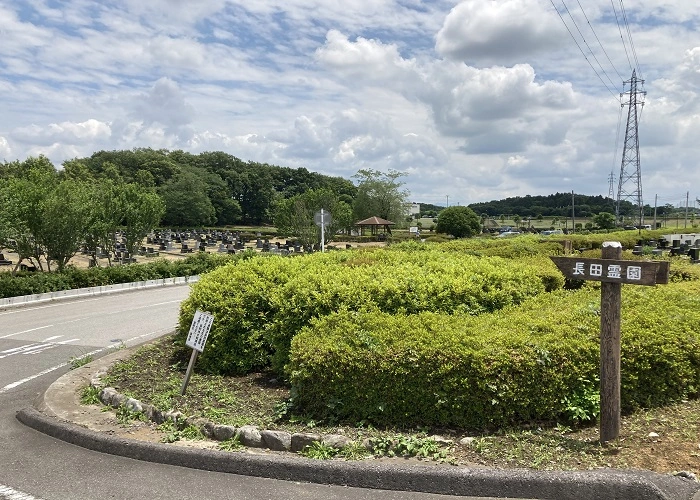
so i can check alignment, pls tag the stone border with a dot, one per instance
(248, 435)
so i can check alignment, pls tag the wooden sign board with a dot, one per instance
(631, 272)
(612, 272)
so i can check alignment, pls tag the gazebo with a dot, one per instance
(375, 223)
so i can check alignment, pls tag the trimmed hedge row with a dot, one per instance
(536, 361)
(261, 304)
(38, 282)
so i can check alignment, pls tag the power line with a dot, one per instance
(598, 39)
(584, 41)
(582, 52)
(617, 19)
(629, 35)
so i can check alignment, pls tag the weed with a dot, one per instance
(319, 451)
(125, 416)
(354, 451)
(90, 395)
(78, 361)
(232, 444)
(409, 446)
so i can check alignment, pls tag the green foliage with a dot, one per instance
(380, 194)
(90, 395)
(408, 446)
(233, 444)
(536, 361)
(70, 278)
(295, 216)
(319, 451)
(78, 361)
(260, 304)
(126, 416)
(460, 222)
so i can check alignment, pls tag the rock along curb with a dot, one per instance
(515, 483)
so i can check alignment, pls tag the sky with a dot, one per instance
(473, 101)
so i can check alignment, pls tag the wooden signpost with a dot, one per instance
(612, 272)
(196, 339)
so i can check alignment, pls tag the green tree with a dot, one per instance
(105, 217)
(459, 221)
(604, 220)
(186, 201)
(141, 210)
(380, 194)
(516, 220)
(25, 188)
(65, 214)
(295, 216)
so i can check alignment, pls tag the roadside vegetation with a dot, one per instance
(466, 352)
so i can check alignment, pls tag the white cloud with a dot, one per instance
(499, 33)
(476, 100)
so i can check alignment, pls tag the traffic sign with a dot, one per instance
(323, 218)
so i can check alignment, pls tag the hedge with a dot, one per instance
(534, 362)
(25, 283)
(261, 304)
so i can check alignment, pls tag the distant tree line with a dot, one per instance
(553, 205)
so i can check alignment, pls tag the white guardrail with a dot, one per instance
(95, 290)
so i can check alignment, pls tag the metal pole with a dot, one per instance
(188, 373)
(323, 233)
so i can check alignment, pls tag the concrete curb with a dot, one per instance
(60, 408)
(518, 483)
(95, 290)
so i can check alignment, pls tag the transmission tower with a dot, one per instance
(611, 184)
(629, 187)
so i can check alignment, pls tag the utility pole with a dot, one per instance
(656, 197)
(447, 201)
(629, 187)
(687, 197)
(573, 213)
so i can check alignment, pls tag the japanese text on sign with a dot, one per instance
(199, 330)
(613, 271)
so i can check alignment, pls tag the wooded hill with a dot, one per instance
(553, 205)
(210, 188)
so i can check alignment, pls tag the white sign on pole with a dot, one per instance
(199, 330)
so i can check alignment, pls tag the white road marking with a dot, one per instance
(35, 348)
(26, 331)
(10, 494)
(62, 365)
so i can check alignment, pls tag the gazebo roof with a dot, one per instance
(375, 221)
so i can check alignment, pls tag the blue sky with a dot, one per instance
(474, 100)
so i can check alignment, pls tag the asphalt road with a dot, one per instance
(37, 344)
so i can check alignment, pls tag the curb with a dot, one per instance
(515, 483)
(606, 484)
(22, 300)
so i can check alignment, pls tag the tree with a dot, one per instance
(104, 217)
(459, 221)
(516, 219)
(186, 202)
(295, 216)
(65, 215)
(141, 211)
(604, 220)
(380, 194)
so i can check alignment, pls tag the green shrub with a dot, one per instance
(535, 361)
(45, 282)
(261, 304)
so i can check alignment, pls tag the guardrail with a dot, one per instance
(95, 290)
